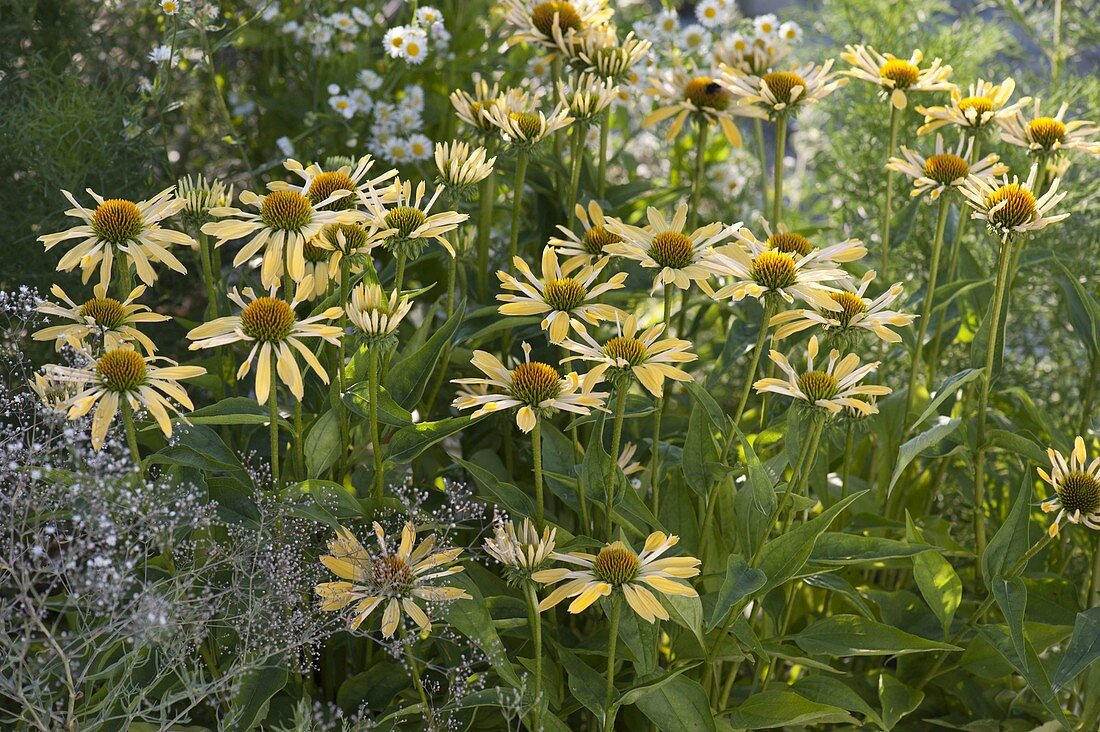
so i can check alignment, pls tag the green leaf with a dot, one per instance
(249, 706)
(1011, 597)
(784, 556)
(740, 582)
(234, 500)
(698, 450)
(852, 635)
(1027, 449)
(390, 413)
(198, 446)
(233, 410)
(828, 690)
(1029, 667)
(770, 709)
(409, 442)
(914, 447)
(897, 700)
(1083, 647)
(680, 705)
(322, 444)
(755, 501)
(948, 388)
(703, 398)
(1011, 540)
(332, 497)
(1082, 307)
(586, 683)
(374, 687)
(937, 580)
(507, 495)
(472, 619)
(686, 612)
(408, 376)
(843, 549)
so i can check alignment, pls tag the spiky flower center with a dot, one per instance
(774, 270)
(946, 168)
(544, 13)
(267, 319)
(565, 294)
(405, 219)
(817, 385)
(626, 349)
(286, 210)
(672, 249)
(121, 370)
(1080, 492)
(790, 243)
(901, 72)
(981, 105)
(528, 123)
(616, 565)
(598, 237)
(534, 382)
(106, 312)
(1018, 208)
(781, 83)
(314, 253)
(117, 221)
(851, 304)
(703, 91)
(476, 109)
(391, 575)
(325, 184)
(347, 238)
(1046, 131)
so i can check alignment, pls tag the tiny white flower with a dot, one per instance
(370, 79)
(416, 46)
(394, 41)
(169, 7)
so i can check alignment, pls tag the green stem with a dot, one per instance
(131, 432)
(273, 419)
(1089, 394)
(895, 120)
(208, 276)
(762, 156)
(536, 633)
(414, 671)
(777, 177)
(372, 412)
(1004, 259)
(700, 165)
(485, 203)
(517, 205)
(125, 276)
(621, 391)
(770, 305)
(399, 275)
(612, 642)
(341, 363)
(452, 272)
(655, 452)
(536, 452)
(299, 454)
(601, 170)
(575, 160)
(926, 310)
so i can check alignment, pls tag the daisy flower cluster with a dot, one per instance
(395, 133)
(328, 35)
(413, 41)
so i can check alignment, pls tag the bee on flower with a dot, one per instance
(592, 243)
(897, 76)
(560, 295)
(617, 568)
(118, 228)
(522, 551)
(1012, 207)
(985, 103)
(857, 313)
(1045, 135)
(113, 321)
(1076, 484)
(834, 388)
(393, 577)
(536, 388)
(681, 95)
(645, 356)
(779, 93)
(945, 171)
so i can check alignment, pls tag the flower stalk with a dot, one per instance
(612, 643)
(273, 418)
(517, 204)
(777, 178)
(485, 201)
(770, 306)
(131, 434)
(926, 309)
(887, 206)
(372, 412)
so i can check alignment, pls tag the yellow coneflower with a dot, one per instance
(857, 313)
(122, 375)
(782, 239)
(1045, 135)
(546, 22)
(473, 108)
(584, 248)
(833, 388)
(601, 53)
(1076, 484)
(782, 92)
(522, 551)
(896, 76)
(408, 221)
(682, 94)
(522, 124)
(945, 170)
(320, 185)
(1012, 207)
(619, 569)
(984, 103)
(394, 577)
(462, 167)
(535, 387)
(561, 294)
(114, 321)
(119, 228)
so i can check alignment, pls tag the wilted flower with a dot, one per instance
(521, 551)
(1076, 488)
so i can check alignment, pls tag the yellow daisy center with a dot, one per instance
(267, 319)
(544, 13)
(286, 210)
(1080, 492)
(405, 219)
(353, 237)
(981, 105)
(325, 184)
(817, 385)
(790, 243)
(703, 91)
(901, 72)
(672, 249)
(852, 305)
(946, 168)
(626, 349)
(529, 124)
(391, 575)
(1018, 208)
(774, 270)
(117, 221)
(1046, 131)
(616, 565)
(781, 83)
(564, 294)
(121, 370)
(598, 237)
(534, 382)
(107, 312)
